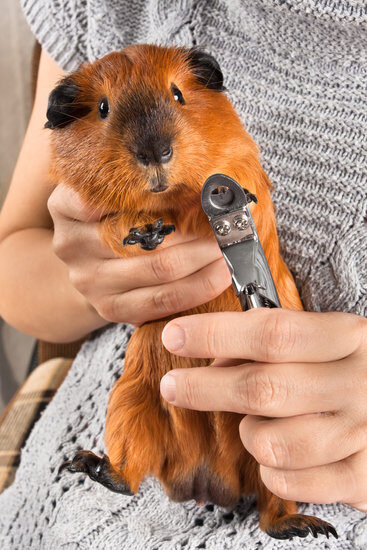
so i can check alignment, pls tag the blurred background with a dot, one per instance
(16, 50)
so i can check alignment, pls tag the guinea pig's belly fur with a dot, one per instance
(196, 455)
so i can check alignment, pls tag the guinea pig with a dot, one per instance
(138, 132)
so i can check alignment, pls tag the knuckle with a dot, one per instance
(52, 204)
(61, 244)
(278, 483)
(210, 289)
(101, 273)
(84, 212)
(80, 280)
(269, 451)
(259, 392)
(361, 323)
(358, 386)
(168, 301)
(165, 265)
(108, 309)
(190, 392)
(278, 335)
(210, 340)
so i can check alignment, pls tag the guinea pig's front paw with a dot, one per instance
(150, 235)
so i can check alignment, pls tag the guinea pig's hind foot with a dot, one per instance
(150, 235)
(298, 525)
(98, 469)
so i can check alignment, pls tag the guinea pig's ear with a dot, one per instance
(206, 69)
(63, 107)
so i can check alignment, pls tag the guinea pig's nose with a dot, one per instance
(157, 153)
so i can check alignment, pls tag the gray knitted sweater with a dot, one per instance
(296, 71)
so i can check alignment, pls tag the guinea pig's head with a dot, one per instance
(142, 129)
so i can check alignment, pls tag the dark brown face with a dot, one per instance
(148, 121)
(142, 126)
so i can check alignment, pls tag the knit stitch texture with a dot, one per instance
(45, 510)
(296, 71)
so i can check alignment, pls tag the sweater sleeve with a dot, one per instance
(61, 29)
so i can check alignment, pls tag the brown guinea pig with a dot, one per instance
(139, 132)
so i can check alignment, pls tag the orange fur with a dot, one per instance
(194, 454)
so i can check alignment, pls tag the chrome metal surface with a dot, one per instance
(226, 205)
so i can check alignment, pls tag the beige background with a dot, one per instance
(16, 45)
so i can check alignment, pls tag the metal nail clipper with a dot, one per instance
(225, 203)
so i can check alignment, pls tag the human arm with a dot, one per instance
(304, 395)
(35, 295)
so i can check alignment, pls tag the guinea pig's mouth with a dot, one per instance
(158, 183)
(158, 189)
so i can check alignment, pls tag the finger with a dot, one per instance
(73, 239)
(260, 389)
(270, 335)
(66, 205)
(149, 303)
(343, 481)
(159, 267)
(81, 241)
(300, 442)
(65, 202)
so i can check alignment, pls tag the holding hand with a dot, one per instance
(183, 273)
(304, 395)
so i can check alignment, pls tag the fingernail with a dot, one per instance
(173, 337)
(168, 387)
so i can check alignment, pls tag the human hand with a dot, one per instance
(304, 395)
(183, 273)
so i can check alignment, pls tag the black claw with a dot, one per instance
(333, 531)
(64, 466)
(149, 236)
(290, 531)
(250, 196)
(83, 461)
(98, 469)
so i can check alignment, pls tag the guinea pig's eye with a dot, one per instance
(103, 108)
(177, 94)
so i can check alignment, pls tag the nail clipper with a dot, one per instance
(225, 203)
